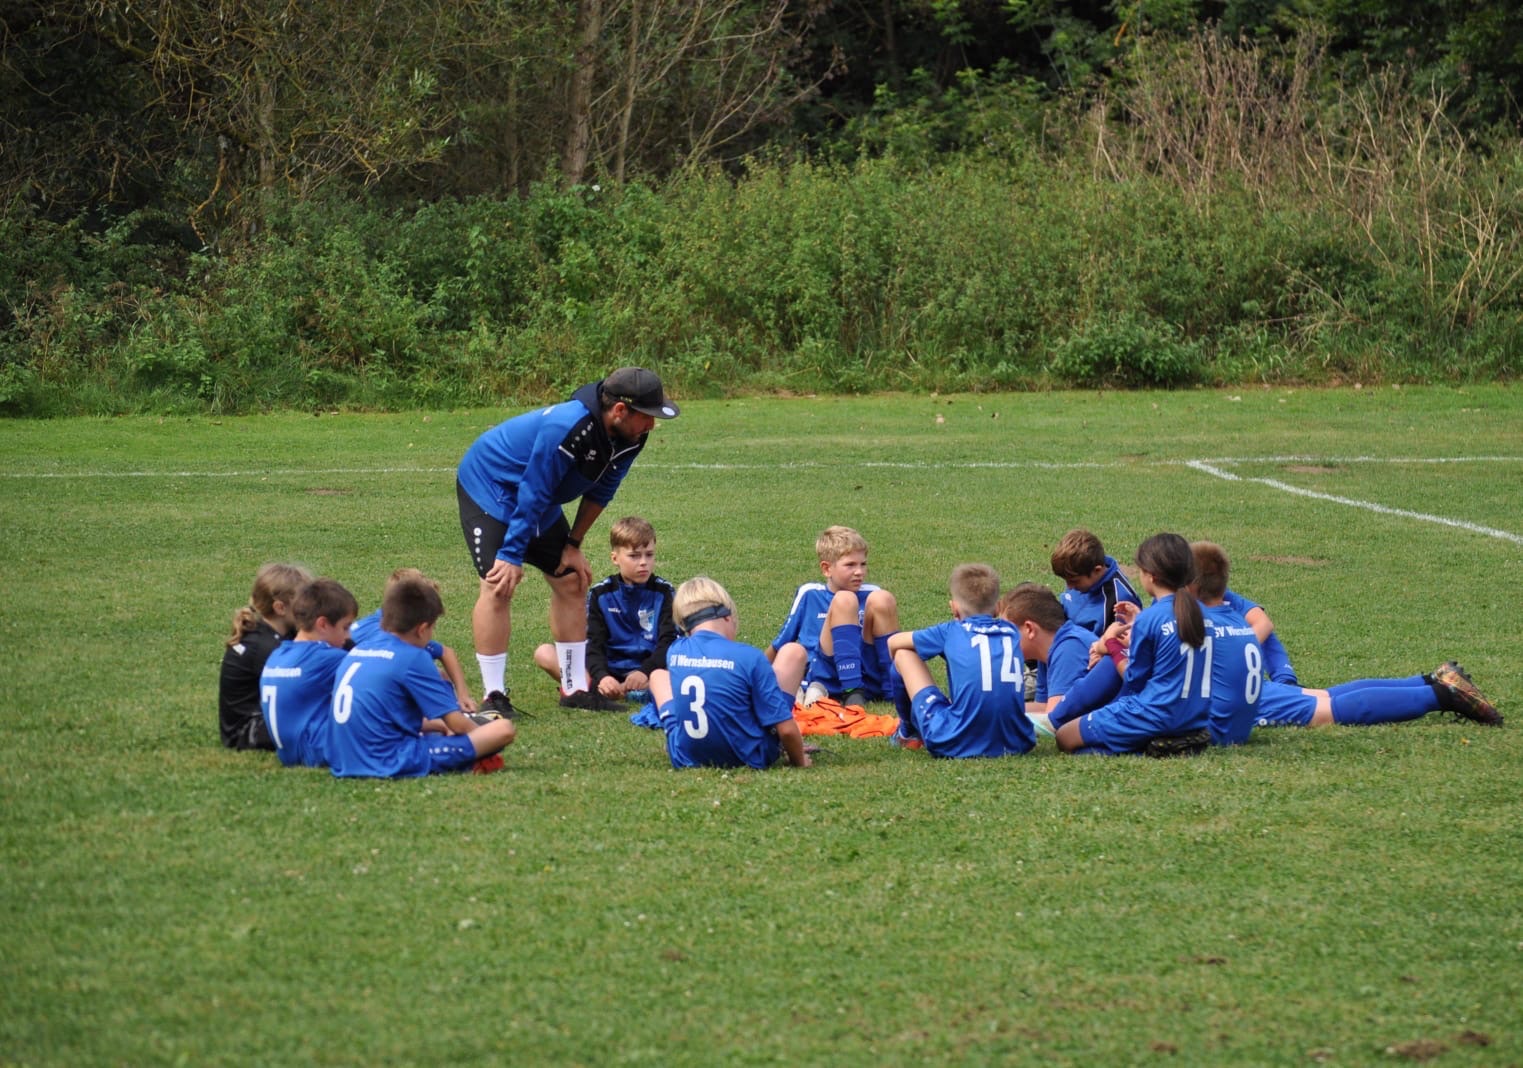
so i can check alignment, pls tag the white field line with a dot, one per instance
(1206, 467)
(1211, 467)
(908, 465)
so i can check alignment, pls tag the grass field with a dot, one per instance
(1343, 896)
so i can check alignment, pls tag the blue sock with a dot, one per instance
(848, 656)
(1369, 701)
(886, 670)
(1096, 688)
(902, 706)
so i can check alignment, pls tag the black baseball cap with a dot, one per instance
(641, 390)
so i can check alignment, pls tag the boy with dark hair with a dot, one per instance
(296, 685)
(366, 628)
(1067, 684)
(1094, 580)
(836, 633)
(629, 617)
(388, 690)
(1361, 702)
(1277, 664)
(984, 716)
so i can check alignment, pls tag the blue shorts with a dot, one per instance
(924, 707)
(450, 752)
(1281, 705)
(1124, 726)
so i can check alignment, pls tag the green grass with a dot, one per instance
(1314, 896)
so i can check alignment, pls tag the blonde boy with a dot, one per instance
(837, 630)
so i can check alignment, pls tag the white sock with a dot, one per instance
(572, 657)
(493, 670)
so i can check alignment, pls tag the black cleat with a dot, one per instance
(592, 701)
(1457, 694)
(1174, 745)
(497, 706)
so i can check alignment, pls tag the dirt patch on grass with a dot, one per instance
(1419, 1049)
(1310, 469)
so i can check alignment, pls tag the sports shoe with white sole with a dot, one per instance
(1042, 724)
(813, 692)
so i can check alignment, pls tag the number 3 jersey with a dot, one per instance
(985, 714)
(725, 704)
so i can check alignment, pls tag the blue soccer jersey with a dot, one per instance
(1067, 661)
(1095, 608)
(725, 704)
(383, 693)
(806, 619)
(296, 700)
(1277, 665)
(1237, 674)
(629, 626)
(1163, 692)
(522, 471)
(985, 714)
(364, 630)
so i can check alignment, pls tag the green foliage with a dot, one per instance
(1125, 351)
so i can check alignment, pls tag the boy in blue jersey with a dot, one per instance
(1277, 666)
(1068, 684)
(629, 616)
(296, 685)
(1095, 582)
(1163, 689)
(984, 716)
(511, 485)
(721, 704)
(1257, 702)
(369, 626)
(388, 701)
(836, 633)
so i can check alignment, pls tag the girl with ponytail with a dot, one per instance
(1163, 689)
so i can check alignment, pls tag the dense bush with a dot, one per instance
(1115, 250)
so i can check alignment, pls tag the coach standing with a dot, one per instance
(512, 483)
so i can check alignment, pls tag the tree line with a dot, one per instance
(165, 164)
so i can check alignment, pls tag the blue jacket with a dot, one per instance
(523, 470)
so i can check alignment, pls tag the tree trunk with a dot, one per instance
(589, 23)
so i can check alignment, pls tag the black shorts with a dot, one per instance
(484, 535)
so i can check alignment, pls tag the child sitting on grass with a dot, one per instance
(629, 617)
(1163, 688)
(258, 627)
(367, 628)
(836, 633)
(721, 704)
(296, 686)
(1243, 699)
(984, 716)
(1094, 580)
(388, 691)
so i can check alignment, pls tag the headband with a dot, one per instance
(703, 615)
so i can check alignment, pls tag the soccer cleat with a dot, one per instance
(1042, 724)
(487, 765)
(813, 692)
(1457, 694)
(591, 701)
(1173, 745)
(481, 719)
(497, 706)
(904, 741)
(856, 698)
